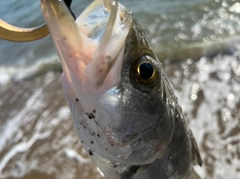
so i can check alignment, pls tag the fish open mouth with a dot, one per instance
(90, 48)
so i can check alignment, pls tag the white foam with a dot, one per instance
(4, 77)
(20, 72)
(12, 125)
(73, 154)
(64, 112)
(11, 132)
(220, 95)
(21, 147)
(235, 7)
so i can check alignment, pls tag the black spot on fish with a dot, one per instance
(108, 57)
(94, 111)
(90, 152)
(93, 133)
(91, 142)
(114, 166)
(76, 99)
(90, 115)
(81, 141)
(106, 149)
(98, 135)
(112, 145)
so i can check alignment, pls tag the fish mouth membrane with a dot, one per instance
(107, 22)
(96, 39)
(104, 19)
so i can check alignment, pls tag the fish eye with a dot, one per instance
(145, 70)
(143, 74)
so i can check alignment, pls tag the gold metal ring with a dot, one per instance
(17, 34)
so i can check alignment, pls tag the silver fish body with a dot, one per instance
(123, 107)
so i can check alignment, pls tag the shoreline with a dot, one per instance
(37, 132)
(37, 135)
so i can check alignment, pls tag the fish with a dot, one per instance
(123, 106)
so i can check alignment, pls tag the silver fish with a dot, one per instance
(123, 107)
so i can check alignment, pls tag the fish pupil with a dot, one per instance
(146, 70)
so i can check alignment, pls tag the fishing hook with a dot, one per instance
(18, 34)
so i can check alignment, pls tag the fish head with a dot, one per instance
(113, 82)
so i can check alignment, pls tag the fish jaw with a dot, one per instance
(85, 59)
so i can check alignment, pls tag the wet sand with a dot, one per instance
(41, 142)
(38, 139)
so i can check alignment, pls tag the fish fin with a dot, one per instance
(195, 151)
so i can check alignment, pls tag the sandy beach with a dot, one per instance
(38, 140)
